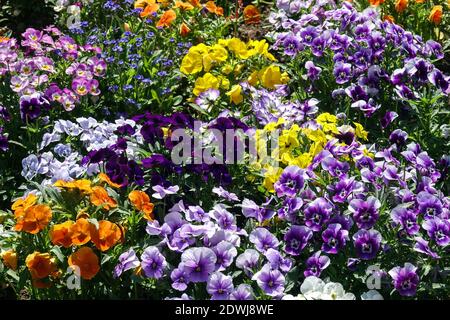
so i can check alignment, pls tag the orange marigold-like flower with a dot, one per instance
(141, 201)
(40, 265)
(184, 29)
(9, 259)
(104, 178)
(34, 219)
(183, 5)
(83, 186)
(167, 18)
(21, 204)
(389, 18)
(87, 262)
(401, 5)
(80, 232)
(100, 197)
(436, 15)
(211, 7)
(376, 3)
(60, 234)
(251, 14)
(107, 234)
(149, 10)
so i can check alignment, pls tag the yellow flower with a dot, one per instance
(271, 76)
(253, 78)
(270, 177)
(239, 48)
(206, 82)
(360, 132)
(9, 259)
(224, 83)
(262, 48)
(83, 186)
(235, 94)
(227, 69)
(274, 125)
(192, 63)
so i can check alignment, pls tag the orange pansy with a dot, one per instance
(141, 201)
(195, 3)
(167, 18)
(211, 7)
(104, 178)
(107, 234)
(251, 14)
(40, 265)
(83, 186)
(9, 259)
(80, 232)
(34, 219)
(389, 18)
(376, 3)
(60, 234)
(184, 29)
(21, 204)
(183, 5)
(100, 197)
(149, 10)
(87, 261)
(436, 15)
(401, 5)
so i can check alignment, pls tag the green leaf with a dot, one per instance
(12, 274)
(57, 251)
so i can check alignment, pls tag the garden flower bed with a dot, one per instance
(227, 150)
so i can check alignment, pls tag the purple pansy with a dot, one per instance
(405, 279)
(290, 182)
(263, 239)
(199, 263)
(365, 213)
(271, 281)
(334, 238)
(438, 229)
(219, 286)
(296, 239)
(367, 243)
(317, 213)
(127, 260)
(316, 264)
(153, 263)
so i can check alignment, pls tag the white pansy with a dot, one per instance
(372, 295)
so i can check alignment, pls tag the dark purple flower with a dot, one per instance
(219, 286)
(367, 243)
(342, 72)
(423, 247)
(352, 263)
(291, 45)
(308, 34)
(429, 205)
(388, 118)
(290, 182)
(290, 209)
(344, 188)
(263, 239)
(317, 213)
(153, 263)
(406, 218)
(398, 137)
(334, 167)
(438, 229)
(316, 264)
(179, 278)
(199, 263)
(270, 281)
(32, 106)
(296, 239)
(334, 238)
(312, 71)
(405, 279)
(365, 213)
(127, 261)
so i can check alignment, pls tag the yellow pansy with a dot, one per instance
(271, 176)
(235, 94)
(204, 83)
(271, 76)
(253, 78)
(192, 63)
(274, 125)
(224, 82)
(360, 132)
(227, 69)
(239, 48)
